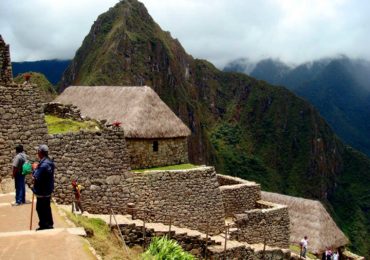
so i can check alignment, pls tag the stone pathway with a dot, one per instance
(17, 241)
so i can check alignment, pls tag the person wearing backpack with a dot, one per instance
(20, 186)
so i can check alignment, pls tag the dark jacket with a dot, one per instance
(44, 178)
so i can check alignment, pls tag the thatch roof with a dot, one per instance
(140, 110)
(309, 218)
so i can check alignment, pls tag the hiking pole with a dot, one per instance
(33, 199)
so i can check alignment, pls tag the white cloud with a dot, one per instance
(217, 30)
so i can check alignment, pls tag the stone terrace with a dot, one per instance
(193, 240)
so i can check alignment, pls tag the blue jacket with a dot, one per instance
(44, 178)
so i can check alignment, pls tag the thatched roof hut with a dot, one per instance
(309, 218)
(154, 135)
(142, 113)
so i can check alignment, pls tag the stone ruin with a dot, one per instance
(6, 75)
(199, 198)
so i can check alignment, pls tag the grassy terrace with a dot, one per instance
(296, 249)
(58, 125)
(105, 242)
(185, 166)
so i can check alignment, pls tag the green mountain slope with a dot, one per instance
(338, 87)
(244, 127)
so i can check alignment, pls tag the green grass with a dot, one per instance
(297, 250)
(58, 125)
(162, 248)
(185, 166)
(105, 243)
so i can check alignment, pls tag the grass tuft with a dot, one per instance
(57, 125)
(185, 166)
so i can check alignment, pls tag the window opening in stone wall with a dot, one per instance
(155, 146)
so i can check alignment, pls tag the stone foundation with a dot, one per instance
(143, 152)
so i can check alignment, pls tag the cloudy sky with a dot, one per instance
(218, 30)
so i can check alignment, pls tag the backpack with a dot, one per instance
(26, 168)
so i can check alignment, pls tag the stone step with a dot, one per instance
(74, 231)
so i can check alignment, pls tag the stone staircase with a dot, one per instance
(193, 241)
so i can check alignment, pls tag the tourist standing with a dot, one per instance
(43, 187)
(20, 185)
(303, 244)
(328, 254)
(335, 255)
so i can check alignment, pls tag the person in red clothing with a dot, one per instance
(77, 192)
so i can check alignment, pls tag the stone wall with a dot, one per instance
(134, 235)
(170, 151)
(63, 111)
(21, 122)
(98, 159)
(270, 222)
(6, 75)
(192, 197)
(238, 195)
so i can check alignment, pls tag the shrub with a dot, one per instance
(161, 248)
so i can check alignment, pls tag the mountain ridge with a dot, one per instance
(338, 87)
(52, 69)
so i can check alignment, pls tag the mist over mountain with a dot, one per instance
(245, 127)
(52, 69)
(338, 87)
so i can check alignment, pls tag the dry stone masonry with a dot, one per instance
(238, 195)
(99, 160)
(6, 75)
(63, 111)
(22, 122)
(269, 223)
(145, 153)
(192, 197)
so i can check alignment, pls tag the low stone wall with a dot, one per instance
(98, 159)
(63, 111)
(270, 223)
(170, 151)
(134, 235)
(229, 180)
(238, 195)
(201, 247)
(21, 122)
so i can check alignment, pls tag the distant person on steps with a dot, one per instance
(303, 244)
(43, 176)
